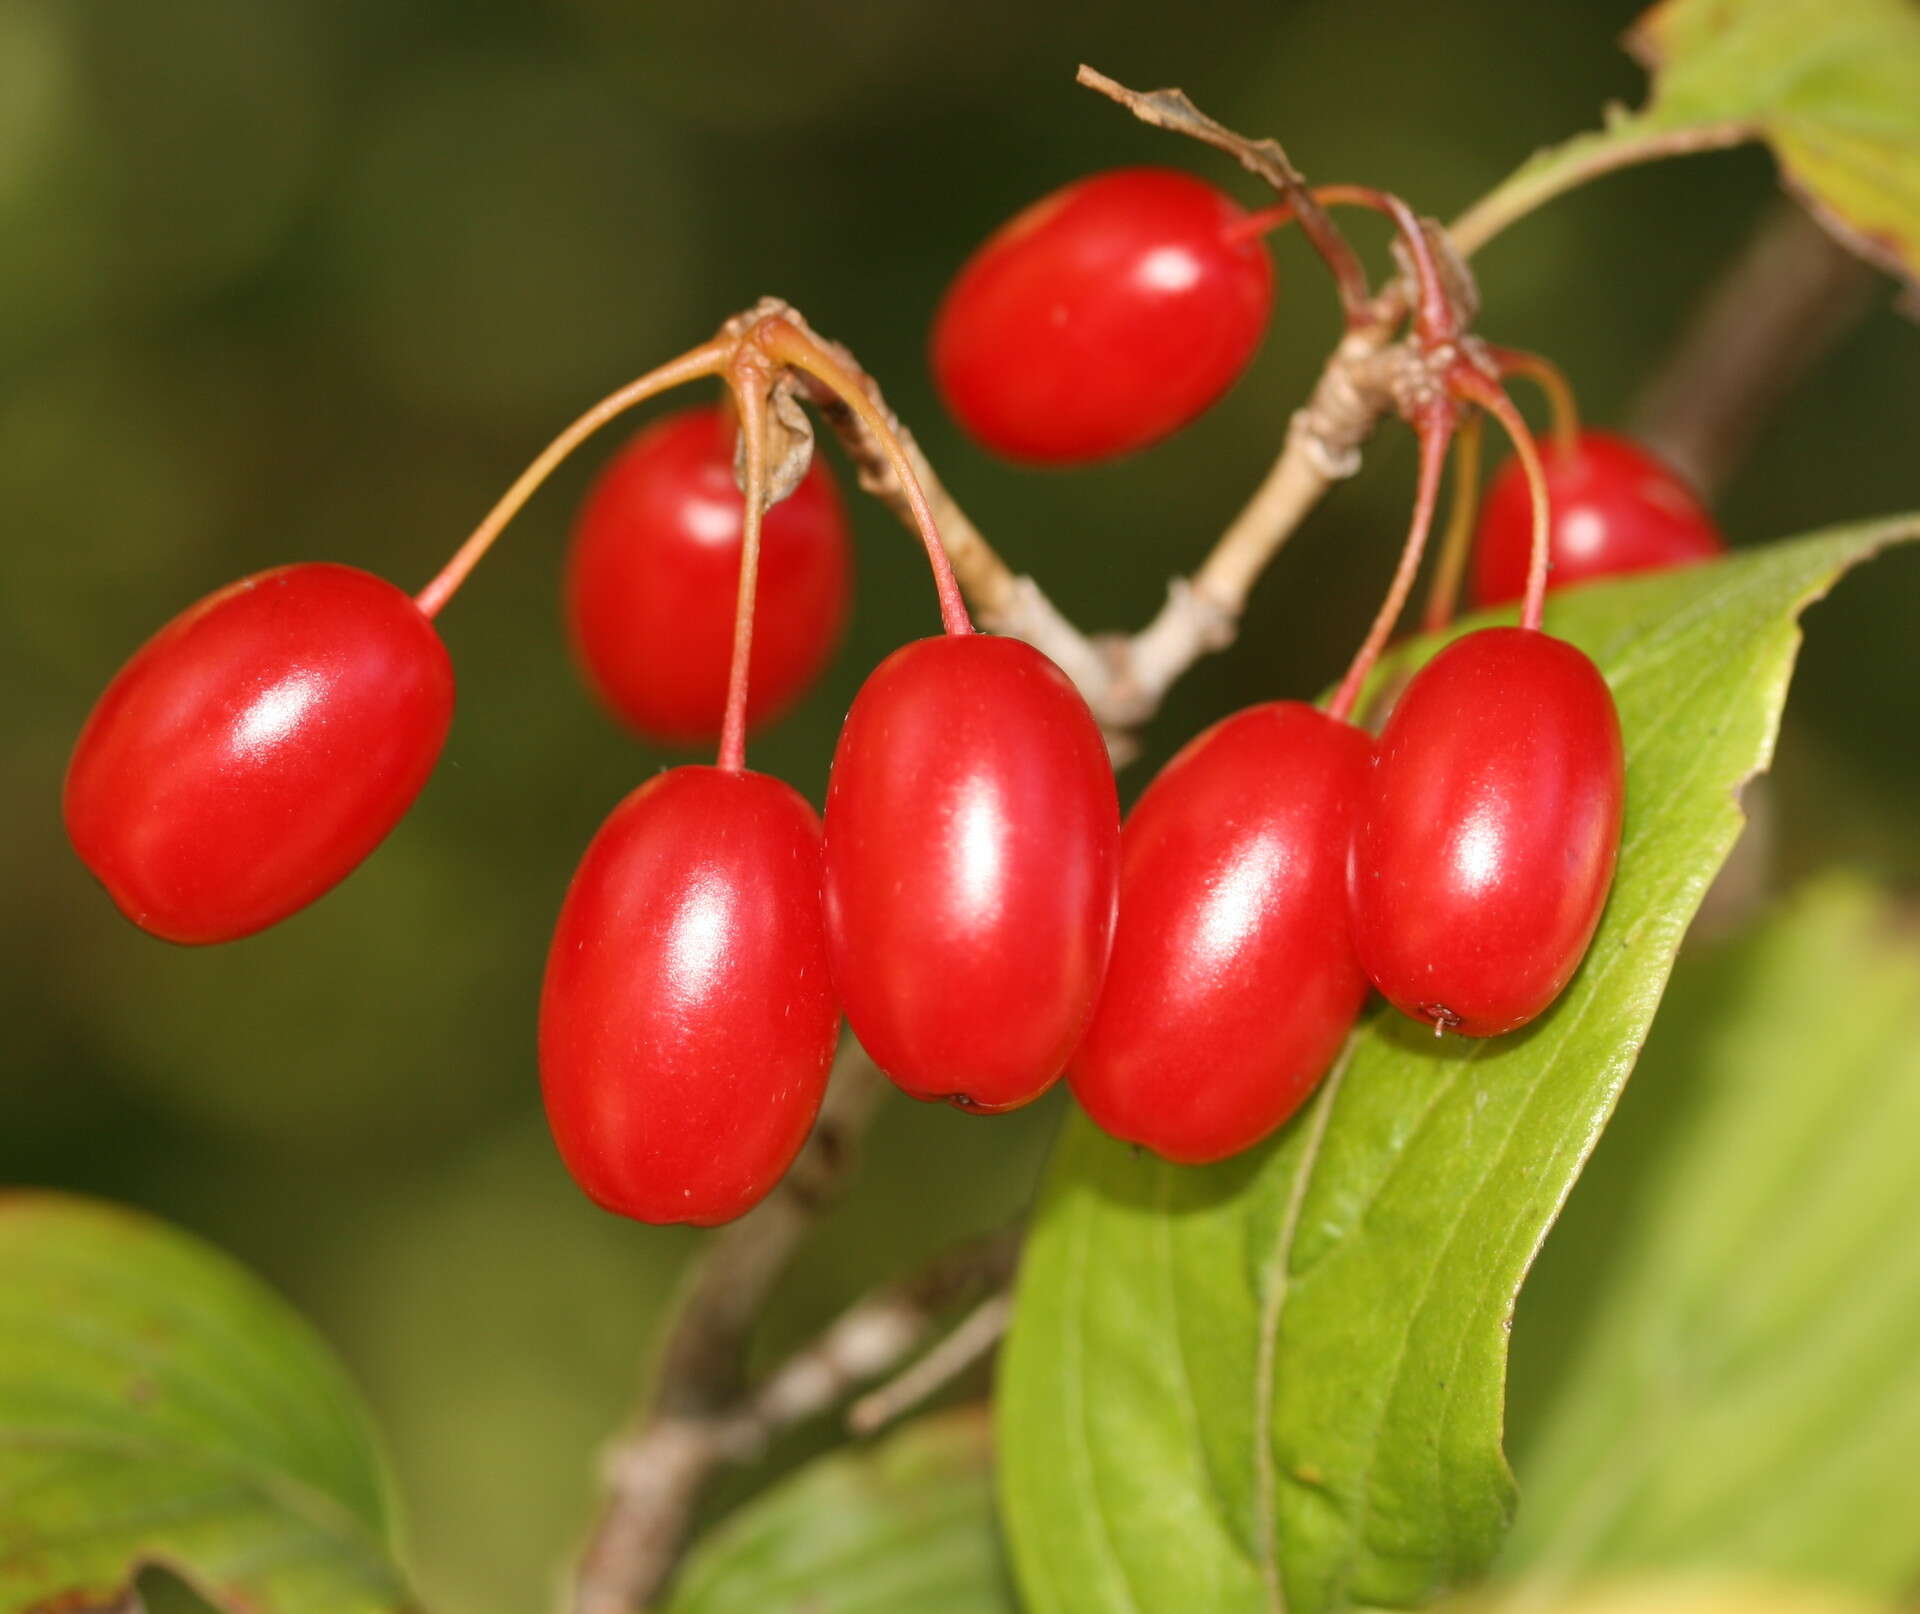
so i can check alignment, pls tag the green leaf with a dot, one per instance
(158, 1406)
(1748, 1395)
(902, 1527)
(1277, 1382)
(1676, 1595)
(1832, 85)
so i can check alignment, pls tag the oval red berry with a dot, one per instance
(256, 749)
(1486, 835)
(687, 1025)
(1614, 508)
(1233, 982)
(653, 573)
(1102, 318)
(972, 857)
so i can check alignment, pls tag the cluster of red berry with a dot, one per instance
(970, 903)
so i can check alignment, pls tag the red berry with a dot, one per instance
(1486, 834)
(256, 749)
(1234, 980)
(687, 1025)
(973, 839)
(1615, 509)
(1102, 318)
(654, 569)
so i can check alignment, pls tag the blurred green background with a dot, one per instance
(291, 279)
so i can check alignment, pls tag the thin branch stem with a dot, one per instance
(1456, 544)
(972, 1339)
(1547, 376)
(787, 342)
(707, 359)
(700, 1372)
(1578, 161)
(748, 382)
(1322, 447)
(1488, 396)
(1436, 432)
(656, 1475)
(1435, 318)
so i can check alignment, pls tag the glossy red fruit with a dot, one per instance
(653, 571)
(973, 839)
(256, 749)
(1234, 980)
(1615, 508)
(687, 1024)
(1102, 318)
(1486, 834)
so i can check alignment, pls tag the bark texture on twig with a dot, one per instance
(1125, 677)
(655, 1472)
(701, 1416)
(971, 1340)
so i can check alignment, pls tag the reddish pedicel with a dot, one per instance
(1233, 981)
(1102, 318)
(652, 574)
(687, 1024)
(972, 866)
(256, 749)
(1615, 509)
(1487, 831)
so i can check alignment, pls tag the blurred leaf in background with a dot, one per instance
(1715, 1362)
(902, 1526)
(157, 1405)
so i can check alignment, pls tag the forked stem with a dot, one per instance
(748, 383)
(707, 359)
(1435, 428)
(780, 339)
(1434, 316)
(1549, 378)
(1457, 542)
(1471, 384)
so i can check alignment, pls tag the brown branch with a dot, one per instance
(973, 1338)
(1779, 307)
(656, 1474)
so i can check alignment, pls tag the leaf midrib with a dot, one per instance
(1636, 659)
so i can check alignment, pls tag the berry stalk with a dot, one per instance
(748, 384)
(781, 340)
(1434, 314)
(707, 359)
(1470, 384)
(1547, 376)
(1457, 542)
(1435, 428)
